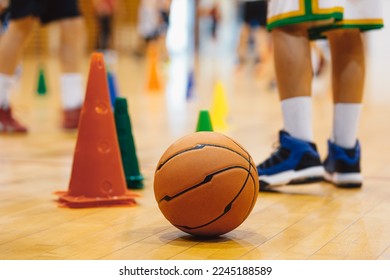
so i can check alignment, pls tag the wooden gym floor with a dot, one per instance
(316, 221)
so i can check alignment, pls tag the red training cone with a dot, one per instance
(97, 175)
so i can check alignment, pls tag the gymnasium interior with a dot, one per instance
(166, 86)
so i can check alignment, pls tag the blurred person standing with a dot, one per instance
(104, 10)
(294, 24)
(23, 17)
(153, 20)
(253, 33)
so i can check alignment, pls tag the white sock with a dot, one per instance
(297, 117)
(345, 124)
(72, 90)
(6, 82)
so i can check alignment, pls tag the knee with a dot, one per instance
(72, 27)
(72, 31)
(21, 28)
(347, 35)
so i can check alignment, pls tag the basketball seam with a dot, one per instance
(242, 148)
(201, 146)
(255, 190)
(227, 206)
(206, 179)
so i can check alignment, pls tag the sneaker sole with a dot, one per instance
(291, 177)
(345, 180)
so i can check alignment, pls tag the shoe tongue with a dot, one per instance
(284, 138)
(5, 107)
(350, 152)
(7, 113)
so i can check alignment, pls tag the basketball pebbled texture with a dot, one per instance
(206, 184)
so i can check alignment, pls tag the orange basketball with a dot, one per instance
(206, 184)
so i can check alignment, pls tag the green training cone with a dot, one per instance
(204, 121)
(41, 88)
(126, 143)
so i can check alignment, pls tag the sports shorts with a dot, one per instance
(46, 10)
(254, 13)
(325, 14)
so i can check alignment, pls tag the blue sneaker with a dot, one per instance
(342, 166)
(295, 162)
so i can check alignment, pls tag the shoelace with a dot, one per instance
(278, 155)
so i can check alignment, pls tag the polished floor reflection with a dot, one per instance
(316, 221)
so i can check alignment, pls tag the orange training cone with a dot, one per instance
(97, 175)
(154, 82)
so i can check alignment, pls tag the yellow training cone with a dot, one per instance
(219, 108)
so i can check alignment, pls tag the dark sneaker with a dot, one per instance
(295, 162)
(8, 124)
(71, 118)
(342, 166)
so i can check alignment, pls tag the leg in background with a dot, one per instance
(342, 164)
(71, 57)
(297, 159)
(11, 47)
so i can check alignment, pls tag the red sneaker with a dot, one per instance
(8, 124)
(71, 118)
